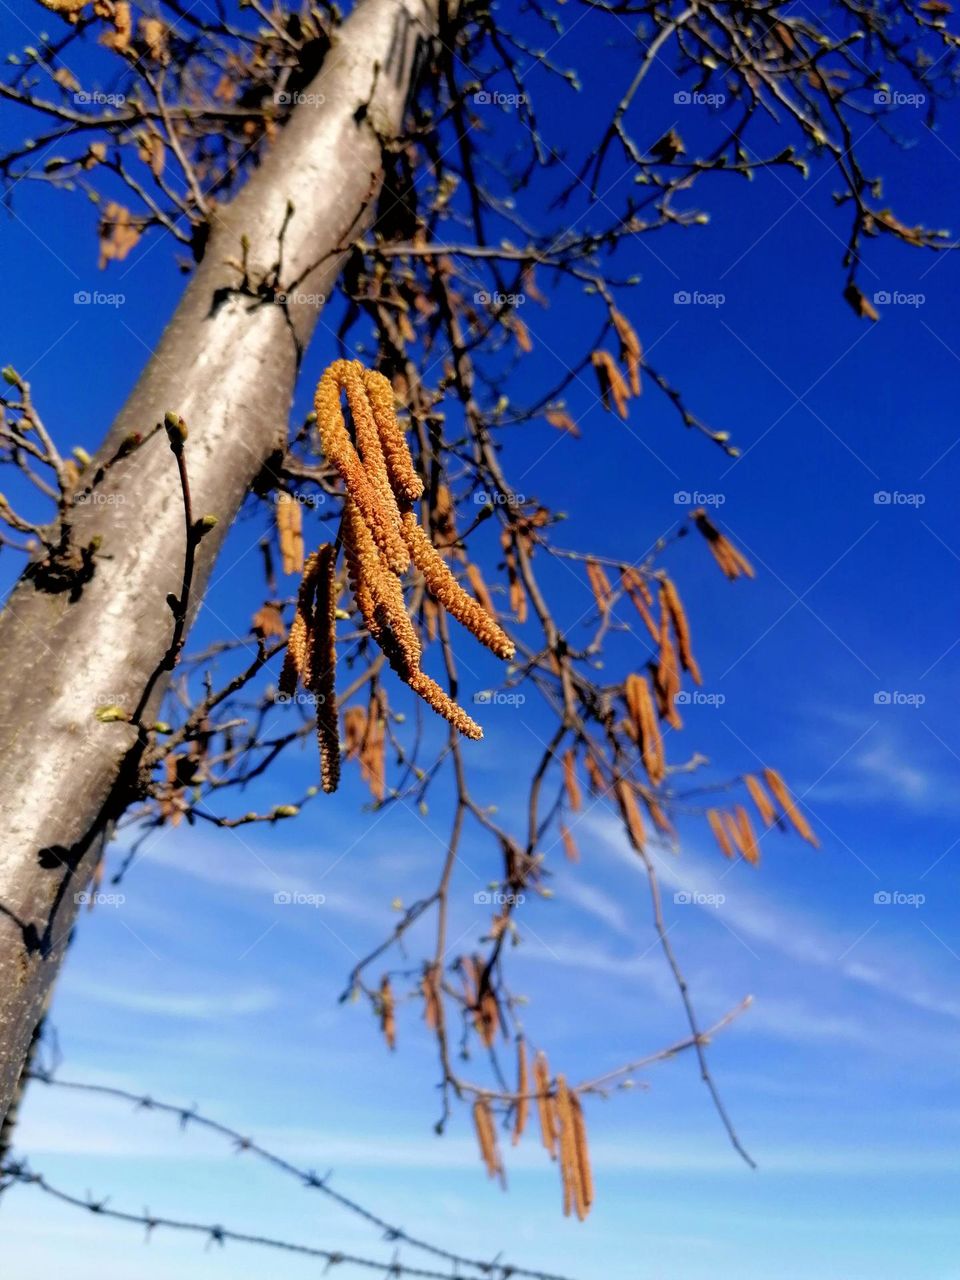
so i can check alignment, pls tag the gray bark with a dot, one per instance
(227, 364)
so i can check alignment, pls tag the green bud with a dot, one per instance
(203, 526)
(176, 430)
(111, 714)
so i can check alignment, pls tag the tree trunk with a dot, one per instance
(227, 364)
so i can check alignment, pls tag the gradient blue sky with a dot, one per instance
(843, 1077)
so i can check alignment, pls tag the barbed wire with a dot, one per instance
(306, 1177)
(16, 1172)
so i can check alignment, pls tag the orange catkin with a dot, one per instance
(639, 593)
(523, 1095)
(290, 532)
(731, 561)
(296, 663)
(323, 661)
(569, 844)
(614, 392)
(574, 1157)
(644, 727)
(720, 832)
(789, 806)
(387, 1009)
(571, 783)
(751, 850)
(406, 483)
(487, 1138)
(666, 677)
(445, 588)
(630, 812)
(600, 586)
(545, 1104)
(369, 489)
(381, 534)
(768, 814)
(670, 598)
(631, 352)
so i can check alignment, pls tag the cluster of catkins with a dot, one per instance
(381, 539)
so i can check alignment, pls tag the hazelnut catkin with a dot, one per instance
(545, 1104)
(367, 487)
(323, 661)
(768, 814)
(290, 532)
(406, 483)
(720, 832)
(670, 599)
(381, 534)
(445, 588)
(523, 1086)
(789, 806)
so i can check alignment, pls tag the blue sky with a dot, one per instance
(842, 1078)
